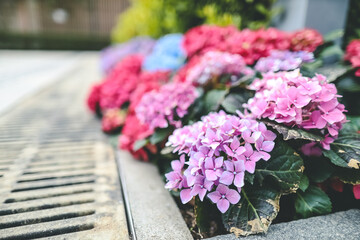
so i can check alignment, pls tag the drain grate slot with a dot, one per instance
(52, 186)
(51, 170)
(44, 206)
(49, 233)
(52, 178)
(42, 195)
(37, 220)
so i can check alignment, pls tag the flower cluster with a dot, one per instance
(120, 83)
(283, 61)
(214, 64)
(250, 44)
(204, 38)
(160, 108)
(353, 55)
(305, 40)
(294, 100)
(113, 120)
(110, 56)
(93, 99)
(148, 81)
(220, 149)
(167, 54)
(133, 131)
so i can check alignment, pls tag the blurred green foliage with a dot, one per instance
(352, 29)
(158, 17)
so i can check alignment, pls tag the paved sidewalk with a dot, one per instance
(22, 73)
(58, 177)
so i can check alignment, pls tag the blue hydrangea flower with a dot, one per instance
(167, 54)
(111, 55)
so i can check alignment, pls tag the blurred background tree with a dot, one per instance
(157, 17)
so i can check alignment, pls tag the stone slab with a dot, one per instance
(154, 212)
(336, 226)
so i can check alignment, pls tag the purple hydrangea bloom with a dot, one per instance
(158, 107)
(219, 148)
(283, 61)
(223, 196)
(111, 55)
(214, 64)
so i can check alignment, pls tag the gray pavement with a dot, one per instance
(23, 73)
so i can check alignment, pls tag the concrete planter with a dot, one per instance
(154, 213)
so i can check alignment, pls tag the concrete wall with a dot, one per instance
(323, 15)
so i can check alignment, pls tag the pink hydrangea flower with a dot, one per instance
(214, 64)
(223, 196)
(160, 108)
(220, 148)
(297, 101)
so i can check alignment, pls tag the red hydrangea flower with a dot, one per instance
(356, 190)
(353, 55)
(93, 99)
(204, 38)
(252, 45)
(113, 120)
(133, 131)
(306, 40)
(121, 82)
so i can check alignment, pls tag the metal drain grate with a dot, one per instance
(58, 179)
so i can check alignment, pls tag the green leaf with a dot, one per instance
(234, 101)
(318, 169)
(293, 133)
(333, 72)
(304, 183)
(140, 144)
(352, 126)
(346, 175)
(249, 177)
(333, 50)
(159, 135)
(205, 213)
(345, 151)
(214, 98)
(285, 168)
(348, 84)
(254, 213)
(333, 35)
(312, 202)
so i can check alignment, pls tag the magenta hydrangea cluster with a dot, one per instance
(214, 64)
(219, 149)
(283, 61)
(297, 101)
(162, 107)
